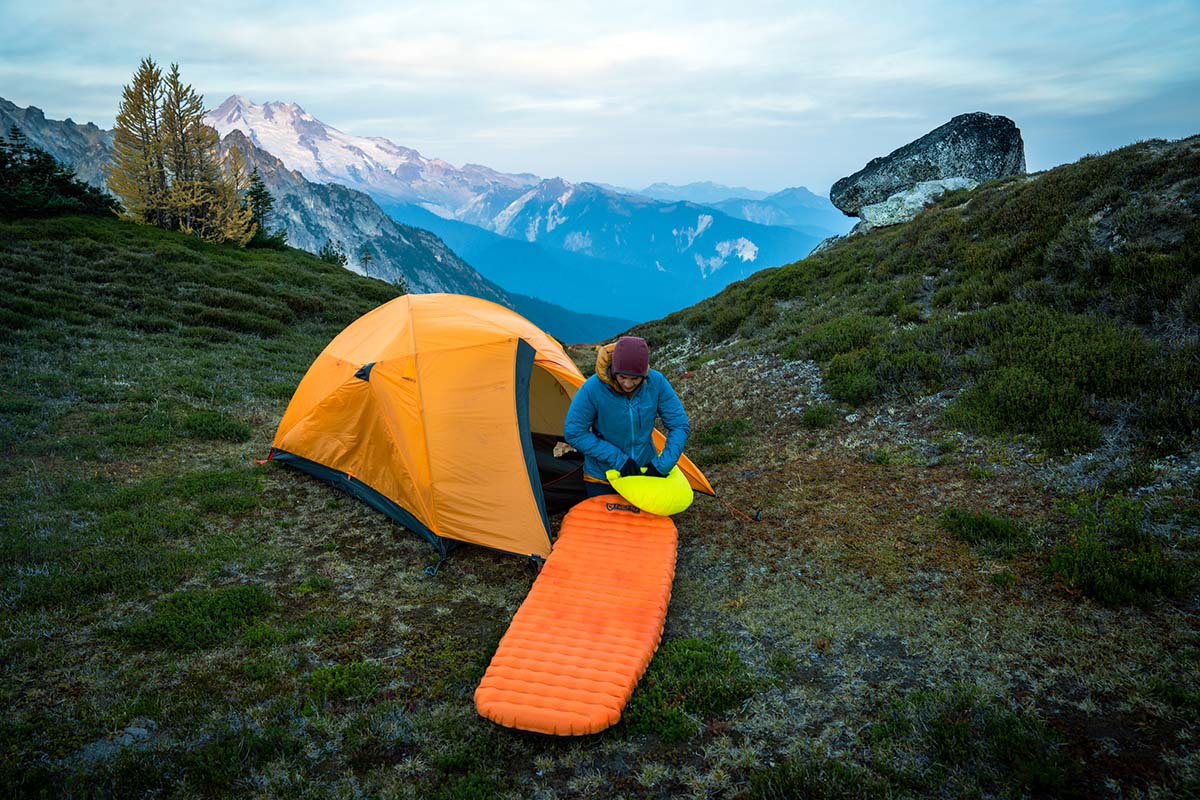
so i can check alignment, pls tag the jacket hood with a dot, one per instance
(603, 360)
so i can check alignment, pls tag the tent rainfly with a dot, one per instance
(442, 412)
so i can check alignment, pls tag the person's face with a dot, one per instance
(629, 382)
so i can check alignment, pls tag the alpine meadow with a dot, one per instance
(955, 550)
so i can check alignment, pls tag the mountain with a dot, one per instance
(696, 249)
(700, 249)
(796, 207)
(313, 213)
(84, 147)
(552, 274)
(371, 164)
(705, 193)
(793, 208)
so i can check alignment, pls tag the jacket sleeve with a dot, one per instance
(577, 430)
(676, 421)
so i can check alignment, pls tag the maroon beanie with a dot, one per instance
(631, 357)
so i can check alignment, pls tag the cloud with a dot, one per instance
(475, 79)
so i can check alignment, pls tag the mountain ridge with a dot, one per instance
(702, 250)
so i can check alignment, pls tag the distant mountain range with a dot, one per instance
(595, 249)
(313, 213)
(702, 192)
(606, 259)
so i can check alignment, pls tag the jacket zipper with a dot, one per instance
(632, 438)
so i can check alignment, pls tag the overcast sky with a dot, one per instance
(753, 93)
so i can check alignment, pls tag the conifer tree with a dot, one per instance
(168, 169)
(138, 175)
(32, 182)
(189, 154)
(262, 207)
(231, 219)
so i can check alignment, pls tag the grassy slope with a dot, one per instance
(182, 622)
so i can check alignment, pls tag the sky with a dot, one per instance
(763, 94)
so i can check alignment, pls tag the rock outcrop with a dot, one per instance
(966, 151)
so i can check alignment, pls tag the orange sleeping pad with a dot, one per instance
(585, 634)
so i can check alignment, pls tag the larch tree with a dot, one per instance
(189, 151)
(138, 175)
(168, 168)
(232, 218)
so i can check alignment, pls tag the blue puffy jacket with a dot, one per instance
(609, 427)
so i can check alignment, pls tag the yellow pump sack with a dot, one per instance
(662, 496)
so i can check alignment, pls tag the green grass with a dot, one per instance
(955, 743)
(142, 370)
(950, 743)
(358, 681)
(812, 777)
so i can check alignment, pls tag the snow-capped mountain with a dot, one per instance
(371, 164)
(698, 250)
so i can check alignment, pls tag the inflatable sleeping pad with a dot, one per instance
(577, 646)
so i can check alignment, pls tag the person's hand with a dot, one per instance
(630, 468)
(652, 472)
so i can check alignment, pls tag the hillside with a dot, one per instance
(974, 574)
(313, 214)
(1063, 305)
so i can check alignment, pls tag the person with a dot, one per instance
(612, 415)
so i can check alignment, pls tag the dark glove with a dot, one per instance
(630, 468)
(651, 472)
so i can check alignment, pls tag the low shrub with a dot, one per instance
(1019, 400)
(1110, 557)
(842, 335)
(195, 619)
(850, 377)
(818, 415)
(993, 533)
(1119, 573)
(359, 681)
(720, 442)
(688, 682)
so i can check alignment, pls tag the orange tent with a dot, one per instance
(427, 409)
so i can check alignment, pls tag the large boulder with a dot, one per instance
(966, 151)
